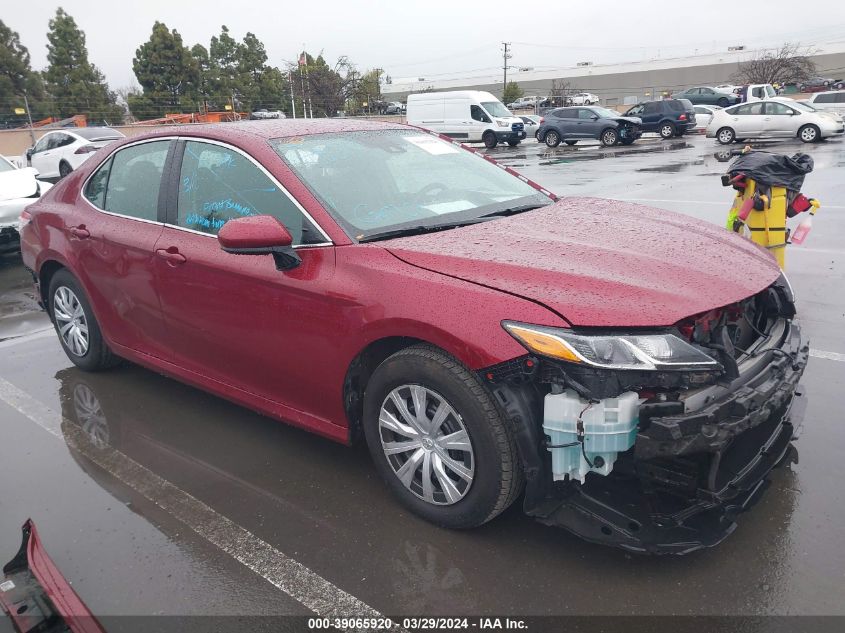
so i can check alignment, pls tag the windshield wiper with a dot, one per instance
(416, 230)
(513, 210)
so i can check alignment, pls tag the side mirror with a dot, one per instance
(259, 235)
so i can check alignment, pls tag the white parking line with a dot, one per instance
(818, 353)
(292, 577)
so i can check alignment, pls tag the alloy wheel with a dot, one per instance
(71, 321)
(426, 444)
(809, 134)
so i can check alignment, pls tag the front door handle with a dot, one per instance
(171, 255)
(79, 232)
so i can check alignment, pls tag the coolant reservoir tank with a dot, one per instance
(610, 428)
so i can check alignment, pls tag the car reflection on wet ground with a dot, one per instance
(124, 442)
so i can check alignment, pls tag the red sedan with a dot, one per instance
(621, 366)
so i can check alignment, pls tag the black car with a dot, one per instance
(667, 117)
(576, 123)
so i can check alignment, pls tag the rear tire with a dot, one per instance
(609, 137)
(513, 143)
(667, 131)
(416, 466)
(552, 138)
(64, 169)
(570, 142)
(75, 323)
(725, 136)
(722, 102)
(809, 134)
(490, 140)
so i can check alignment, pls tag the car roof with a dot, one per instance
(271, 129)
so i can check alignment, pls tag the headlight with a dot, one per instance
(502, 123)
(648, 351)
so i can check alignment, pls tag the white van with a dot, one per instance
(828, 101)
(466, 115)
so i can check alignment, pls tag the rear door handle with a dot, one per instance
(171, 255)
(79, 232)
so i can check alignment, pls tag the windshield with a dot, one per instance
(377, 181)
(604, 113)
(5, 165)
(803, 106)
(770, 92)
(494, 108)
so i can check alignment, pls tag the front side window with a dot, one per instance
(778, 108)
(135, 180)
(218, 184)
(636, 110)
(477, 114)
(585, 114)
(372, 182)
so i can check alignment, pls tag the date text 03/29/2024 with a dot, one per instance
(418, 623)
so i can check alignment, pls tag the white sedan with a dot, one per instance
(771, 118)
(59, 152)
(532, 124)
(583, 98)
(703, 115)
(18, 190)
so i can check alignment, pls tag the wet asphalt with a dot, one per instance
(323, 505)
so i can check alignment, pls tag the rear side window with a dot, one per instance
(95, 190)
(566, 113)
(218, 184)
(748, 108)
(135, 179)
(825, 98)
(675, 106)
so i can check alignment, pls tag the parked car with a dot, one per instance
(773, 118)
(667, 117)
(704, 95)
(828, 101)
(532, 124)
(19, 188)
(525, 103)
(817, 84)
(394, 107)
(466, 115)
(583, 98)
(703, 115)
(264, 113)
(59, 152)
(571, 125)
(479, 333)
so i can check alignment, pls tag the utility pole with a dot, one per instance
(506, 55)
(292, 99)
(28, 116)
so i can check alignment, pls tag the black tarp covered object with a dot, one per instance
(773, 170)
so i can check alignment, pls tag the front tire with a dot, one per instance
(438, 439)
(77, 328)
(489, 139)
(809, 134)
(609, 137)
(513, 143)
(725, 136)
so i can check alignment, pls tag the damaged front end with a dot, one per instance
(36, 597)
(654, 441)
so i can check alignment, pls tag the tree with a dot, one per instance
(560, 92)
(512, 92)
(167, 72)
(787, 64)
(223, 68)
(17, 79)
(76, 85)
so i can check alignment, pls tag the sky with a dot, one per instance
(435, 39)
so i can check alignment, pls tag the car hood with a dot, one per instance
(630, 119)
(599, 262)
(18, 183)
